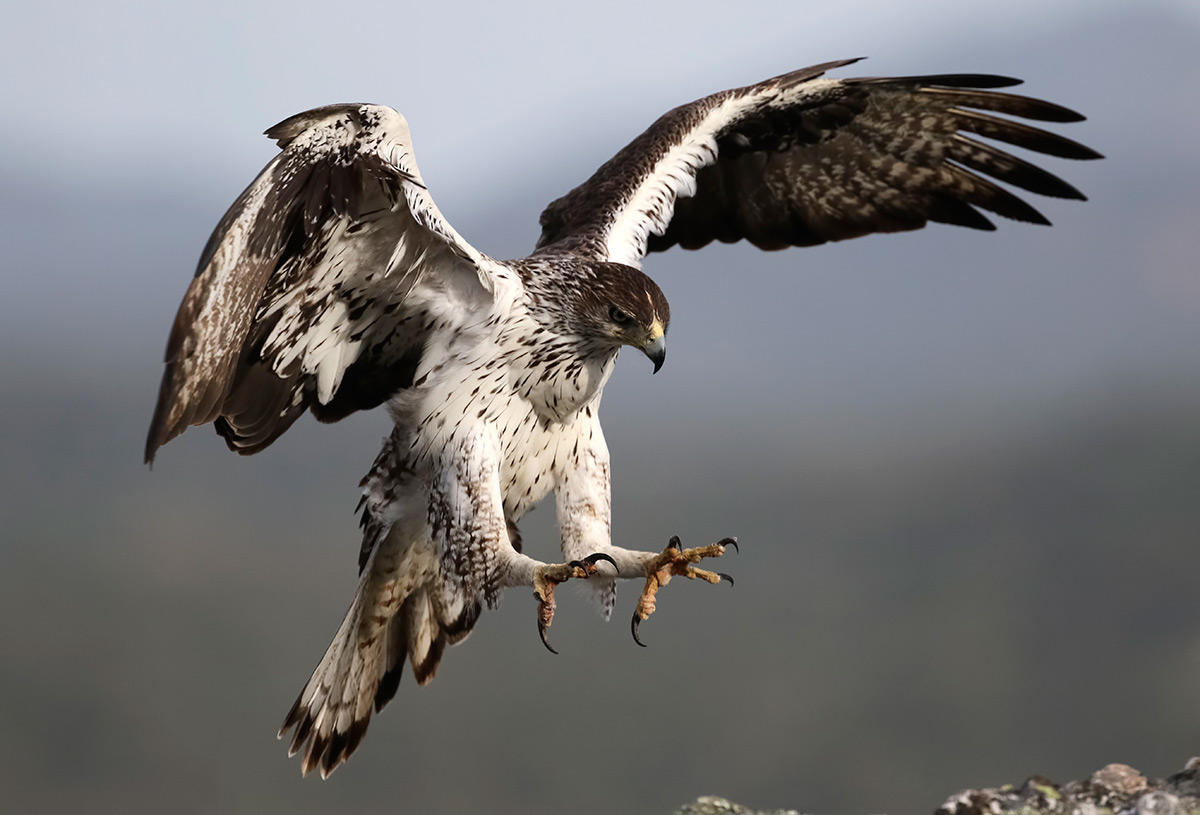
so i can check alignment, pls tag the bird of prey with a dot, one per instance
(334, 284)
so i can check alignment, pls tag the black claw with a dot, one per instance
(592, 560)
(730, 542)
(633, 626)
(675, 543)
(726, 577)
(599, 556)
(542, 634)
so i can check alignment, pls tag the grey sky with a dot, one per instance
(134, 125)
(151, 82)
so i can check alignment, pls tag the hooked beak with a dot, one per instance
(656, 346)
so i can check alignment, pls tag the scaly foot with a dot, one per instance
(675, 560)
(547, 576)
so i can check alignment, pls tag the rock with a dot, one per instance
(712, 805)
(1119, 778)
(1187, 781)
(1158, 803)
(1116, 789)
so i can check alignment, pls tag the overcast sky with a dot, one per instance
(132, 126)
(137, 83)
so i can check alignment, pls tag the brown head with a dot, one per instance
(621, 304)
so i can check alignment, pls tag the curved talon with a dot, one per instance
(545, 615)
(675, 561)
(633, 627)
(542, 634)
(546, 577)
(599, 556)
(588, 564)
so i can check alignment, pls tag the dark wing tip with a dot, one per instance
(822, 67)
(811, 72)
(160, 433)
(977, 81)
(969, 80)
(1032, 215)
(153, 441)
(1066, 148)
(1020, 134)
(1051, 112)
(1045, 111)
(1014, 104)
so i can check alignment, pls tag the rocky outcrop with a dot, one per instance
(1117, 789)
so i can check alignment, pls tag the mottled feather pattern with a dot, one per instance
(308, 271)
(407, 607)
(466, 517)
(801, 160)
(440, 505)
(334, 284)
(632, 195)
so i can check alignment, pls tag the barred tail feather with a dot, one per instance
(405, 612)
(332, 712)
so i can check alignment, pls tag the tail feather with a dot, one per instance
(423, 636)
(361, 669)
(397, 652)
(328, 715)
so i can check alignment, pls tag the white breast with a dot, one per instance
(489, 377)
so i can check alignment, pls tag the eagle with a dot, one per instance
(333, 284)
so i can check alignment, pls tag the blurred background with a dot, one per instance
(964, 468)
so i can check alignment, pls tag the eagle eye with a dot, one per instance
(618, 315)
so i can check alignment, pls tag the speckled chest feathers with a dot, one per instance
(526, 373)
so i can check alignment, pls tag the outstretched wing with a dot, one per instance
(800, 159)
(300, 296)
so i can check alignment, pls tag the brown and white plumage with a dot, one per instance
(801, 159)
(299, 297)
(334, 284)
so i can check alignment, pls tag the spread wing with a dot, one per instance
(801, 159)
(302, 295)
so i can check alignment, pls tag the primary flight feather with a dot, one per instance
(333, 284)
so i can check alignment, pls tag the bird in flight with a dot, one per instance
(334, 284)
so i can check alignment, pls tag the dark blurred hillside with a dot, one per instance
(922, 604)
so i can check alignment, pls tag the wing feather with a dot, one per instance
(801, 159)
(307, 273)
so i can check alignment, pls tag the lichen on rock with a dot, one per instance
(1116, 789)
